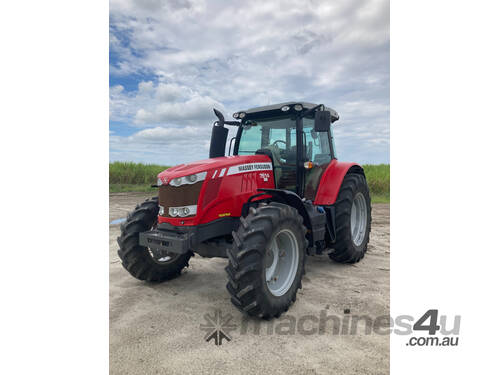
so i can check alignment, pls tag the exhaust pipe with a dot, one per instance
(219, 137)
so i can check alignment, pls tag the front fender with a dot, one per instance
(331, 180)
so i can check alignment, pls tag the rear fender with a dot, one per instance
(331, 180)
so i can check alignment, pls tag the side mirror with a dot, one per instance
(322, 121)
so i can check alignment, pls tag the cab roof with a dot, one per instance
(275, 109)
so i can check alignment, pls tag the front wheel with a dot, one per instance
(266, 261)
(352, 220)
(140, 261)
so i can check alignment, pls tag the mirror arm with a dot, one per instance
(309, 111)
(233, 123)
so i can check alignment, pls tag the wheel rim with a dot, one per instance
(168, 258)
(163, 260)
(282, 260)
(359, 215)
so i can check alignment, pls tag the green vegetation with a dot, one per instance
(139, 177)
(379, 181)
(127, 176)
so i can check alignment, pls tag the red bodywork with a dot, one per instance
(330, 182)
(226, 189)
(226, 192)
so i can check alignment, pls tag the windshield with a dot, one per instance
(273, 134)
(278, 138)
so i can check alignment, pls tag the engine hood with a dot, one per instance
(210, 165)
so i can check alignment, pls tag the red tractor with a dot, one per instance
(280, 195)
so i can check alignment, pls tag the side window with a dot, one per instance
(333, 143)
(250, 141)
(317, 145)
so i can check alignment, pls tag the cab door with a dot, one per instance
(317, 155)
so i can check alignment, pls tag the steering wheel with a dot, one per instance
(278, 141)
(282, 152)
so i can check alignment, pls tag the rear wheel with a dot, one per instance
(140, 261)
(352, 220)
(266, 261)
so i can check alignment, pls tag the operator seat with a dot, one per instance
(273, 152)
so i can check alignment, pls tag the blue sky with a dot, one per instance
(172, 61)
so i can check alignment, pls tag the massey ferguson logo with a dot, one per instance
(264, 176)
(250, 167)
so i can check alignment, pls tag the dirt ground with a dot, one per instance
(155, 328)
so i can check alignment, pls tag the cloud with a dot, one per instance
(168, 146)
(186, 57)
(162, 103)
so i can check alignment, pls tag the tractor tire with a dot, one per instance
(266, 261)
(352, 220)
(139, 260)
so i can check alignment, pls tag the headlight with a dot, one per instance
(176, 181)
(191, 179)
(298, 107)
(161, 211)
(285, 108)
(159, 182)
(182, 211)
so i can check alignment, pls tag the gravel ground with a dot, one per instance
(155, 328)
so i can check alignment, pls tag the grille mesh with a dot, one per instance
(185, 195)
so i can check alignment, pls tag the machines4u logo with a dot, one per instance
(217, 327)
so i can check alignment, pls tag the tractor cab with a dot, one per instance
(297, 138)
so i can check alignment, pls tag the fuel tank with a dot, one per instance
(211, 189)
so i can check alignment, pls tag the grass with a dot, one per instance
(379, 181)
(127, 176)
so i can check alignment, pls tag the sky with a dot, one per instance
(172, 61)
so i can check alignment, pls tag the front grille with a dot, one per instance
(185, 195)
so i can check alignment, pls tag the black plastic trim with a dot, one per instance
(182, 239)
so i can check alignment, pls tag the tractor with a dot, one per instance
(280, 194)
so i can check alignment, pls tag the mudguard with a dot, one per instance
(331, 180)
(314, 217)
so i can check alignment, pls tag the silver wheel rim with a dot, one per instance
(163, 260)
(282, 259)
(359, 215)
